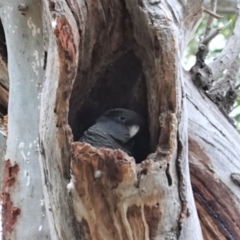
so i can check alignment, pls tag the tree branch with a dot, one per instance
(224, 92)
(210, 18)
(214, 33)
(230, 52)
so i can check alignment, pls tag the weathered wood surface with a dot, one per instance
(119, 33)
(214, 155)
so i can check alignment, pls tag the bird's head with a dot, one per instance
(125, 119)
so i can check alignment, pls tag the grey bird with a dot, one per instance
(116, 128)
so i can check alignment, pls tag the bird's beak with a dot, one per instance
(133, 130)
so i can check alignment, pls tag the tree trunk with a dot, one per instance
(70, 61)
(22, 198)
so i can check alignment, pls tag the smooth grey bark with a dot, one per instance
(25, 65)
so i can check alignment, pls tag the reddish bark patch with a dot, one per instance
(102, 194)
(165, 140)
(67, 42)
(197, 153)
(9, 212)
(96, 192)
(217, 208)
(153, 217)
(134, 217)
(65, 36)
(113, 164)
(9, 175)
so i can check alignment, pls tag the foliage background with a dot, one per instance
(215, 47)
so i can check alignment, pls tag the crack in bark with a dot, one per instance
(214, 214)
(216, 145)
(169, 178)
(190, 100)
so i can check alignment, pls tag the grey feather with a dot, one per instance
(114, 129)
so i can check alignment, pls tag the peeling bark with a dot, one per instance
(9, 211)
(119, 188)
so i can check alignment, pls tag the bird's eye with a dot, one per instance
(122, 117)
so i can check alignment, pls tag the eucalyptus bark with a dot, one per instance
(70, 62)
(22, 196)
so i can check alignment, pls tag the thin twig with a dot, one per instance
(214, 33)
(213, 7)
(237, 86)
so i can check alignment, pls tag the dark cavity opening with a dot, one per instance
(121, 85)
(4, 80)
